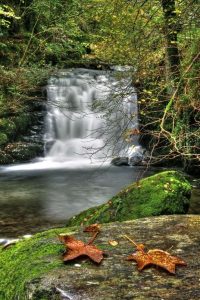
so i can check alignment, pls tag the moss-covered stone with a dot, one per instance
(22, 122)
(3, 139)
(13, 127)
(5, 158)
(7, 126)
(22, 151)
(33, 269)
(27, 260)
(161, 194)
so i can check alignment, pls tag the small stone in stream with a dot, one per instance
(27, 236)
(10, 243)
(3, 241)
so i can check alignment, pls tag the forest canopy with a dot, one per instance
(160, 39)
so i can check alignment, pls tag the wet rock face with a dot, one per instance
(22, 151)
(162, 194)
(137, 157)
(22, 137)
(115, 278)
(120, 161)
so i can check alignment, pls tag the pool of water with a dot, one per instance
(36, 199)
(32, 200)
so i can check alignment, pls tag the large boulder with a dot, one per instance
(137, 156)
(161, 194)
(33, 269)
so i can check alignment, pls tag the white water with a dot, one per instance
(87, 111)
(76, 130)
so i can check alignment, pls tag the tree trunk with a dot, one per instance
(172, 52)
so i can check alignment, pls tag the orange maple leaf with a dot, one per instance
(156, 257)
(76, 248)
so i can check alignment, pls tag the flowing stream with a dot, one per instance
(83, 133)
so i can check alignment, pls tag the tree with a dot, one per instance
(171, 30)
(160, 39)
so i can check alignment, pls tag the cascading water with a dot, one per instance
(87, 112)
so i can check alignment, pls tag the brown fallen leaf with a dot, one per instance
(76, 248)
(92, 228)
(156, 257)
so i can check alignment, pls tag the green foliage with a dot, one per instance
(17, 85)
(3, 139)
(47, 32)
(7, 126)
(142, 34)
(7, 14)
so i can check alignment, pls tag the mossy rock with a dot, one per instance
(5, 158)
(28, 260)
(7, 126)
(165, 193)
(22, 122)
(3, 139)
(33, 269)
(22, 151)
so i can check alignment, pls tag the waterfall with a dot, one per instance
(88, 111)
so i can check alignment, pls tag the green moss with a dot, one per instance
(22, 122)
(7, 126)
(27, 260)
(162, 194)
(5, 158)
(3, 139)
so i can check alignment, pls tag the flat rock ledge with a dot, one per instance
(117, 278)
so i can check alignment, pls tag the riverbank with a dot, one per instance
(22, 113)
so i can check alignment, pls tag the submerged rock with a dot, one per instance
(33, 269)
(161, 194)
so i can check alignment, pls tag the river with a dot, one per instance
(34, 200)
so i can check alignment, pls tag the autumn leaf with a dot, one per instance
(76, 248)
(156, 257)
(92, 228)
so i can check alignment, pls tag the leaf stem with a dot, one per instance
(93, 238)
(130, 240)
